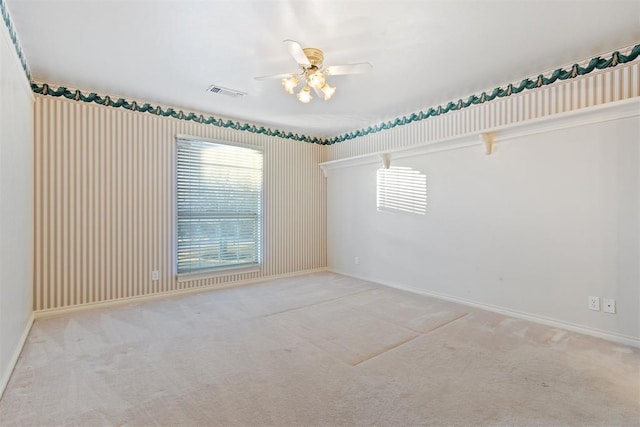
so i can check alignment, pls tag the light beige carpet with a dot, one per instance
(317, 350)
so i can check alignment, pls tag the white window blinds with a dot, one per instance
(219, 206)
(402, 189)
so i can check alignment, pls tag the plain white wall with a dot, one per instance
(535, 228)
(16, 205)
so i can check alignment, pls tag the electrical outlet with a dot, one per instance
(594, 303)
(155, 275)
(356, 260)
(609, 305)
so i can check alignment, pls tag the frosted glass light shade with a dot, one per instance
(304, 95)
(290, 84)
(316, 80)
(328, 91)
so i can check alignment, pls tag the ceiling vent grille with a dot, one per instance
(219, 90)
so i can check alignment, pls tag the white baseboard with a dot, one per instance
(39, 314)
(610, 336)
(6, 376)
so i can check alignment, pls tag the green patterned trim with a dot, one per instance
(14, 38)
(561, 74)
(576, 70)
(46, 89)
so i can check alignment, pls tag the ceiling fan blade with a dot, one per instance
(274, 76)
(296, 51)
(359, 68)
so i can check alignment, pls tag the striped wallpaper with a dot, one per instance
(104, 203)
(612, 84)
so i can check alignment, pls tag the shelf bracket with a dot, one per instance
(489, 139)
(386, 160)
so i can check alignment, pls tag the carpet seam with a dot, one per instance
(444, 324)
(420, 334)
(317, 303)
(386, 350)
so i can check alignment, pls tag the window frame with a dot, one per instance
(225, 270)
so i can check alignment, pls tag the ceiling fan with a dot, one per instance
(313, 74)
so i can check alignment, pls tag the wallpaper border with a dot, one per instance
(596, 63)
(108, 101)
(14, 38)
(576, 70)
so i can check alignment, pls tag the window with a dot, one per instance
(402, 189)
(219, 206)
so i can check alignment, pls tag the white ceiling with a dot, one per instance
(424, 53)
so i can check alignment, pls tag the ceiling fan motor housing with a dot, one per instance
(315, 56)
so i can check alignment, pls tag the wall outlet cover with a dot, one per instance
(594, 303)
(609, 305)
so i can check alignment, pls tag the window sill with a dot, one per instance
(186, 277)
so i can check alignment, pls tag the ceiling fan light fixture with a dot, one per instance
(304, 95)
(290, 84)
(328, 91)
(313, 73)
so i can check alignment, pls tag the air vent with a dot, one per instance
(219, 90)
